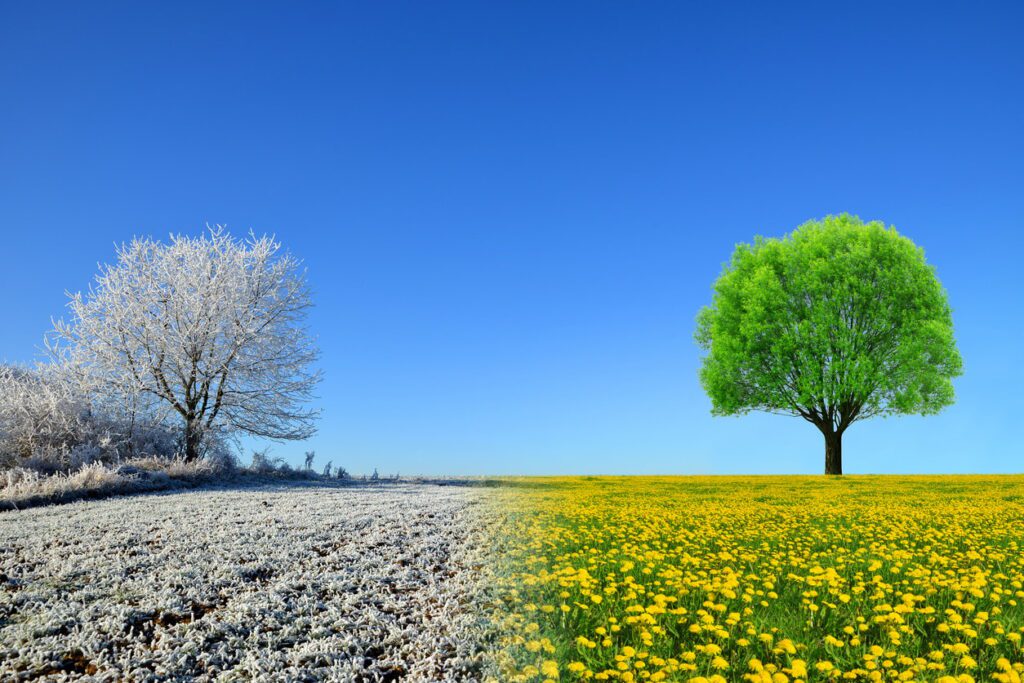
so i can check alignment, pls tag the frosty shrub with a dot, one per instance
(51, 421)
(223, 459)
(41, 416)
(262, 463)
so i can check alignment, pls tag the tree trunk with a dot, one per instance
(833, 452)
(191, 442)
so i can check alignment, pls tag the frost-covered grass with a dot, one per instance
(277, 583)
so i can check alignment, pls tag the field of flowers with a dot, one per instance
(763, 579)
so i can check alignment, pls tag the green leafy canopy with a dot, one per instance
(836, 322)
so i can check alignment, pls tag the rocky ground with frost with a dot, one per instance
(287, 583)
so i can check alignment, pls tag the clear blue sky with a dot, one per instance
(511, 212)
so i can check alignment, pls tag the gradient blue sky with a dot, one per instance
(511, 212)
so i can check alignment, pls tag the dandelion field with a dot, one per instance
(762, 579)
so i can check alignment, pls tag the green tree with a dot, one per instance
(836, 322)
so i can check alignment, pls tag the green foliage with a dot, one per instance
(838, 321)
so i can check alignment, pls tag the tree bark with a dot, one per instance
(192, 437)
(833, 452)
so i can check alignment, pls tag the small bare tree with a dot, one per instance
(210, 326)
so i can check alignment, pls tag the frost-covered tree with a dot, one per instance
(211, 327)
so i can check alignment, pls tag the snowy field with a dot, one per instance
(290, 583)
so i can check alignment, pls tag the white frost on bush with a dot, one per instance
(52, 420)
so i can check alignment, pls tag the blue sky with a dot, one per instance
(511, 212)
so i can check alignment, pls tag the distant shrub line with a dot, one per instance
(27, 487)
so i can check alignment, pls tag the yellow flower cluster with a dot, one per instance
(762, 579)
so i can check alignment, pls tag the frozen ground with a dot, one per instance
(290, 583)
